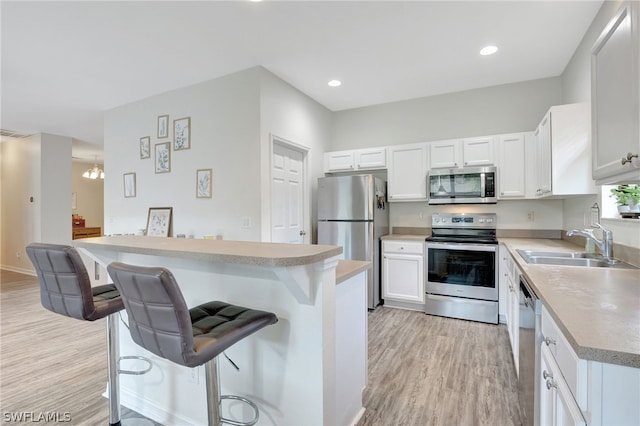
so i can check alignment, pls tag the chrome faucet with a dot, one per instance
(605, 246)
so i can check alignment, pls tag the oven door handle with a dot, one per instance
(465, 246)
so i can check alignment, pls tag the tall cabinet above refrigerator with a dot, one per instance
(352, 213)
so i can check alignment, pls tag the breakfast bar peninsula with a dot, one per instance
(308, 369)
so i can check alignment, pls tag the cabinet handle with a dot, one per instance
(629, 158)
(549, 341)
(546, 375)
(551, 384)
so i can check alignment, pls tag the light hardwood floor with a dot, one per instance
(423, 370)
(429, 370)
(49, 363)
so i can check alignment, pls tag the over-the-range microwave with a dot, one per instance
(471, 185)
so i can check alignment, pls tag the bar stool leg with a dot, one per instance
(114, 382)
(212, 371)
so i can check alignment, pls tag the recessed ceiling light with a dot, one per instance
(334, 83)
(488, 50)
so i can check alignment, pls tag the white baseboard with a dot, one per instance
(152, 411)
(19, 270)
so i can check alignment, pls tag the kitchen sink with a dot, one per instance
(532, 253)
(571, 259)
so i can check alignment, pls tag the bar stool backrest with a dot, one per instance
(65, 287)
(159, 319)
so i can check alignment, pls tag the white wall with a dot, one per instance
(289, 114)
(232, 120)
(517, 107)
(512, 214)
(89, 195)
(36, 196)
(576, 87)
(224, 137)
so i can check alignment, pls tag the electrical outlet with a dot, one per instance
(246, 222)
(531, 216)
(194, 375)
(18, 255)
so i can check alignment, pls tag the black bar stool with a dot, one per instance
(65, 288)
(160, 322)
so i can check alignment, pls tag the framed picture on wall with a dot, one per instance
(204, 183)
(145, 147)
(182, 133)
(129, 185)
(163, 126)
(159, 221)
(163, 157)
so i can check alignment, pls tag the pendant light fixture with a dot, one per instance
(94, 172)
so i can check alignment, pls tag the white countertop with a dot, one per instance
(238, 252)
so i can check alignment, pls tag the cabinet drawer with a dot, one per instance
(573, 369)
(409, 247)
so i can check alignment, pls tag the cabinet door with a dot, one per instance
(557, 406)
(546, 396)
(403, 277)
(371, 158)
(444, 154)
(478, 151)
(514, 326)
(543, 157)
(615, 73)
(407, 173)
(511, 166)
(338, 161)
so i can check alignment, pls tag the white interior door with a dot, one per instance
(287, 195)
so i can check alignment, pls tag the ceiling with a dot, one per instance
(64, 63)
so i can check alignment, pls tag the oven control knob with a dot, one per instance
(481, 220)
(489, 220)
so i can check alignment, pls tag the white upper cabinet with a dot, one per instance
(615, 98)
(478, 151)
(407, 173)
(339, 161)
(511, 166)
(563, 152)
(445, 154)
(462, 153)
(354, 160)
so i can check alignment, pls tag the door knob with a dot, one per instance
(629, 158)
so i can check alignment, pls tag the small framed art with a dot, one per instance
(129, 185)
(163, 126)
(163, 157)
(204, 183)
(145, 147)
(159, 221)
(182, 133)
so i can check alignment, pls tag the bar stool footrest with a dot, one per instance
(246, 401)
(132, 372)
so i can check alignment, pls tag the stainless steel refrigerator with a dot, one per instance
(352, 213)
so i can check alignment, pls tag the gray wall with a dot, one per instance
(507, 108)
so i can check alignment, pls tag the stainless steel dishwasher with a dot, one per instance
(530, 338)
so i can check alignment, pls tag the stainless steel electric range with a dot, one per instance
(462, 267)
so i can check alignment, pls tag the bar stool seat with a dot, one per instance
(65, 289)
(160, 322)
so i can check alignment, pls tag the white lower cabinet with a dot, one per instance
(510, 288)
(557, 406)
(403, 270)
(575, 391)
